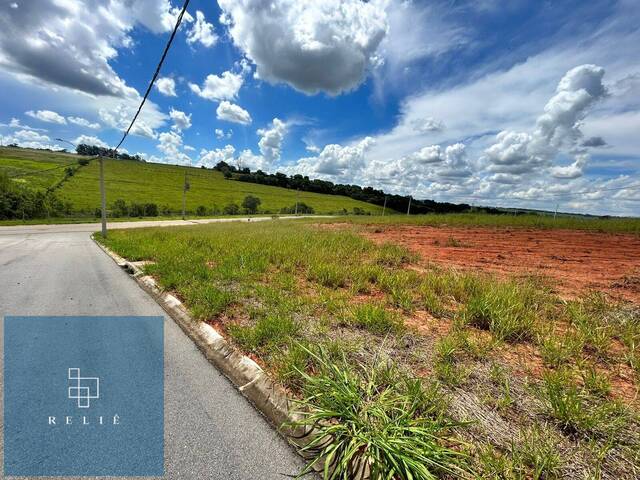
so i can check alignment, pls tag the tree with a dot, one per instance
(231, 209)
(251, 203)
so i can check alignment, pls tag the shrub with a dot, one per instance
(119, 208)
(18, 201)
(231, 209)
(150, 210)
(136, 210)
(83, 161)
(303, 208)
(374, 416)
(201, 211)
(251, 203)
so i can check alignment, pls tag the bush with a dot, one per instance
(231, 209)
(119, 208)
(150, 210)
(18, 201)
(136, 210)
(201, 211)
(83, 161)
(303, 208)
(251, 203)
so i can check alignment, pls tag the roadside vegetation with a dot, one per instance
(412, 370)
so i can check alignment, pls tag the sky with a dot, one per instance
(531, 104)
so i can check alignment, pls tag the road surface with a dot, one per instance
(211, 431)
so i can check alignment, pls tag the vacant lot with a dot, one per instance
(459, 371)
(572, 261)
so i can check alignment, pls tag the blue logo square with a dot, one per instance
(83, 396)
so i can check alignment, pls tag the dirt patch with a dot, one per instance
(575, 261)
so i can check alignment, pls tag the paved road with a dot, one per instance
(211, 431)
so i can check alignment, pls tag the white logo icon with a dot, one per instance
(83, 389)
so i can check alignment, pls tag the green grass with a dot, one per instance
(378, 418)
(161, 184)
(280, 290)
(537, 221)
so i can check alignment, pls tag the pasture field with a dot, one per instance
(140, 182)
(421, 367)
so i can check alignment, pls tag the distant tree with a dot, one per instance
(231, 209)
(83, 161)
(227, 174)
(119, 208)
(150, 210)
(201, 211)
(251, 203)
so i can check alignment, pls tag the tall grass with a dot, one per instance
(372, 420)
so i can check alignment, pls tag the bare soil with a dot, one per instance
(575, 261)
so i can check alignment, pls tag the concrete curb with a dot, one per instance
(252, 382)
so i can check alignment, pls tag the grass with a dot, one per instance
(372, 418)
(529, 220)
(158, 183)
(284, 291)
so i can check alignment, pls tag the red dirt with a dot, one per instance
(576, 261)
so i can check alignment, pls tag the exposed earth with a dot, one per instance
(574, 261)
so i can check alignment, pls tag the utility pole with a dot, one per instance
(556, 212)
(384, 207)
(103, 199)
(185, 188)
(409, 207)
(103, 195)
(297, 198)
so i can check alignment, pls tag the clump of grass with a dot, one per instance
(207, 301)
(501, 378)
(538, 452)
(557, 351)
(392, 255)
(375, 318)
(328, 275)
(575, 411)
(372, 417)
(595, 382)
(447, 366)
(270, 332)
(505, 309)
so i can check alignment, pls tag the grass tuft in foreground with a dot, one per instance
(373, 419)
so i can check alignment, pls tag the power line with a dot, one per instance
(155, 75)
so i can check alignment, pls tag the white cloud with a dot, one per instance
(427, 125)
(202, 32)
(90, 140)
(557, 129)
(224, 87)
(29, 139)
(120, 115)
(166, 86)
(313, 46)
(336, 161)
(271, 140)
(221, 134)
(15, 123)
(83, 122)
(181, 121)
(170, 144)
(47, 116)
(232, 113)
(71, 43)
(209, 158)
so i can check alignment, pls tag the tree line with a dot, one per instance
(93, 151)
(365, 194)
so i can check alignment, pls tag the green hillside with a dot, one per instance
(161, 184)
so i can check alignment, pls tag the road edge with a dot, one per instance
(269, 398)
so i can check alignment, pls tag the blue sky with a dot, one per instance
(530, 104)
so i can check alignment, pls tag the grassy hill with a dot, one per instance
(154, 183)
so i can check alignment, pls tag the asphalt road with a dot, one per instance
(211, 431)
